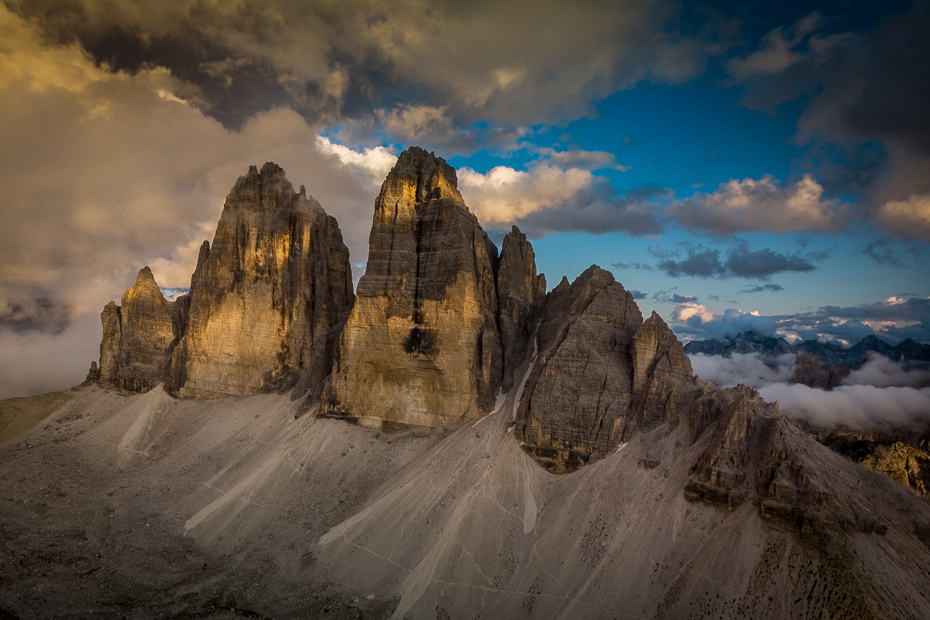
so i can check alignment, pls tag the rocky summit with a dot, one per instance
(264, 306)
(138, 336)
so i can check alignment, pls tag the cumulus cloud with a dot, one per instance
(740, 262)
(426, 125)
(909, 217)
(372, 162)
(760, 205)
(692, 321)
(504, 194)
(547, 198)
(579, 158)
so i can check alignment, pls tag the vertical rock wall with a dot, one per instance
(522, 295)
(265, 303)
(421, 346)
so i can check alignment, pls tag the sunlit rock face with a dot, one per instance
(266, 297)
(421, 346)
(265, 303)
(137, 336)
(600, 374)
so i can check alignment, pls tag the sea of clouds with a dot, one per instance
(882, 393)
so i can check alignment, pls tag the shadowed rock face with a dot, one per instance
(809, 371)
(264, 305)
(522, 295)
(421, 346)
(600, 374)
(752, 453)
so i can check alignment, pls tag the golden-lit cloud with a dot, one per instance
(760, 205)
(503, 194)
(909, 217)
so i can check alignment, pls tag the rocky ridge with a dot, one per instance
(828, 352)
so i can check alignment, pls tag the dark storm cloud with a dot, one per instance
(487, 60)
(764, 263)
(762, 289)
(670, 297)
(885, 251)
(704, 264)
(862, 93)
(635, 265)
(598, 216)
(43, 315)
(740, 262)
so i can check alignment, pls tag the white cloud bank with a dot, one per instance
(880, 394)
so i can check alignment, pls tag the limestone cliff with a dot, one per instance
(421, 346)
(267, 296)
(599, 375)
(137, 337)
(522, 294)
(265, 303)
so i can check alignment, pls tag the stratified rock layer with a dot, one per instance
(600, 374)
(137, 337)
(421, 346)
(264, 306)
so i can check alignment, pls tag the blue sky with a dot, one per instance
(739, 165)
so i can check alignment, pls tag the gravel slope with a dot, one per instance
(146, 506)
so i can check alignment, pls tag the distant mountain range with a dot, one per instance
(829, 353)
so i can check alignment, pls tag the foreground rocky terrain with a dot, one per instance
(149, 506)
(454, 442)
